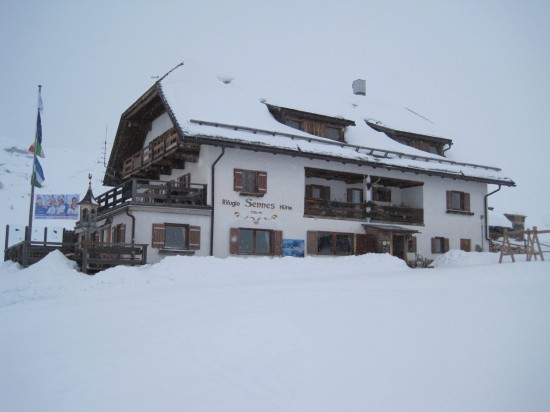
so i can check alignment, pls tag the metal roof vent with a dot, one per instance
(359, 87)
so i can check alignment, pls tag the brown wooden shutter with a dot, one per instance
(158, 235)
(325, 193)
(312, 247)
(467, 202)
(234, 241)
(277, 240)
(449, 199)
(433, 242)
(309, 192)
(262, 183)
(114, 234)
(360, 244)
(238, 180)
(194, 237)
(350, 195)
(121, 238)
(446, 245)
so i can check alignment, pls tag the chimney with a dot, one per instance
(359, 87)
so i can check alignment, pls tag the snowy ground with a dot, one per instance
(345, 334)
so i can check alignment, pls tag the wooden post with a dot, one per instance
(506, 248)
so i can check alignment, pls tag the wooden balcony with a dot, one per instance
(378, 213)
(330, 208)
(397, 214)
(173, 194)
(161, 155)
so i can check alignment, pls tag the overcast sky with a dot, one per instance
(480, 69)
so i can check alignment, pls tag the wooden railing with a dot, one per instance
(27, 253)
(159, 193)
(378, 213)
(94, 256)
(397, 214)
(158, 151)
(330, 208)
(90, 256)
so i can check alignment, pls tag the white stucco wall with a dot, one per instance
(158, 126)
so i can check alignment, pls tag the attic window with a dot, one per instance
(293, 123)
(333, 133)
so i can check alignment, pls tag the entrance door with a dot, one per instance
(398, 246)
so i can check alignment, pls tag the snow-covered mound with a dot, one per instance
(456, 258)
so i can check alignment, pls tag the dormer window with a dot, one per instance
(333, 133)
(329, 127)
(295, 124)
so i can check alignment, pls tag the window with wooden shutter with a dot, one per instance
(250, 182)
(234, 241)
(440, 245)
(277, 241)
(244, 241)
(121, 233)
(262, 183)
(238, 180)
(458, 202)
(312, 243)
(355, 195)
(194, 237)
(158, 235)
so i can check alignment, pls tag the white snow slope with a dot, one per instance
(315, 334)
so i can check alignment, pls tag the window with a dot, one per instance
(118, 233)
(256, 242)
(381, 194)
(295, 124)
(250, 182)
(170, 236)
(458, 202)
(440, 245)
(317, 192)
(333, 133)
(355, 195)
(330, 243)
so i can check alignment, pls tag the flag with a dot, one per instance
(38, 177)
(36, 147)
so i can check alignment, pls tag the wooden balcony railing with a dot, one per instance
(158, 193)
(330, 208)
(397, 214)
(378, 213)
(165, 150)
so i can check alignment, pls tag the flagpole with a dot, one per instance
(31, 207)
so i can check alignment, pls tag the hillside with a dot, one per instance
(66, 172)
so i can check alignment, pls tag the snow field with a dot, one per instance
(207, 334)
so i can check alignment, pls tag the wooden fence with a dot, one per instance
(531, 244)
(90, 256)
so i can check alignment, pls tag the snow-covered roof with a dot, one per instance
(223, 108)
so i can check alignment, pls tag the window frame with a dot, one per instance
(463, 200)
(381, 194)
(440, 245)
(314, 247)
(275, 242)
(260, 182)
(158, 237)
